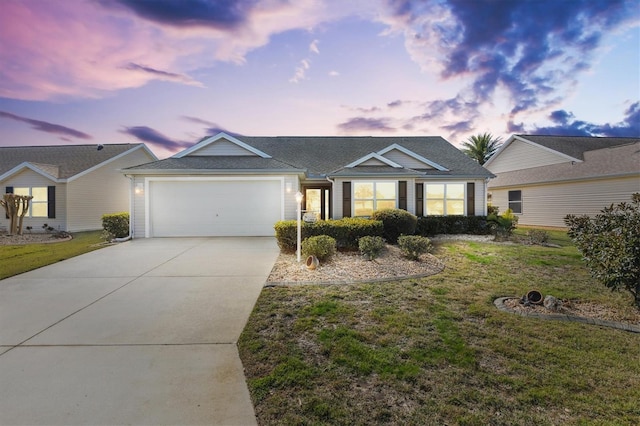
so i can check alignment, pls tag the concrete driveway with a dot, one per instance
(143, 332)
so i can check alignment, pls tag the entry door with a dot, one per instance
(317, 201)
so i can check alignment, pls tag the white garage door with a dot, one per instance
(214, 208)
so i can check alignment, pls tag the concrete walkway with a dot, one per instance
(143, 332)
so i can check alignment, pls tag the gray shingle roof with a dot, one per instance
(322, 156)
(576, 146)
(60, 161)
(227, 162)
(617, 161)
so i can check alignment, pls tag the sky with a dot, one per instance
(170, 72)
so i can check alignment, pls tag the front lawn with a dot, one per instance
(16, 259)
(436, 351)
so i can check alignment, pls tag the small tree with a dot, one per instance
(610, 245)
(15, 207)
(481, 147)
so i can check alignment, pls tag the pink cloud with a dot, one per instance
(85, 49)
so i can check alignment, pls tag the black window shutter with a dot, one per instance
(471, 199)
(8, 190)
(419, 199)
(402, 194)
(51, 202)
(346, 199)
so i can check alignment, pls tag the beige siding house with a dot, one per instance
(72, 185)
(240, 185)
(544, 178)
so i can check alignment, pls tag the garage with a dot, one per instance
(194, 207)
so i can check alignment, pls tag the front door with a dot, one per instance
(317, 201)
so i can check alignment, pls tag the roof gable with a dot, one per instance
(221, 145)
(408, 158)
(373, 159)
(62, 163)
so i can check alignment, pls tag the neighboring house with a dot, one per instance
(72, 185)
(241, 186)
(544, 178)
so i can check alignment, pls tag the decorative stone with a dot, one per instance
(552, 303)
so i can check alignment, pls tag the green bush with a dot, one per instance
(502, 226)
(428, 226)
(346, 231)
(610, 245)
(395, 222)
(116, 225)
(371, 247)
(412, 246)
(321, 246)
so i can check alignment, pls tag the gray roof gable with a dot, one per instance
(63, 160)
(576, 146)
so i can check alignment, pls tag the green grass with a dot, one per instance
(436, 350)
(17, 259)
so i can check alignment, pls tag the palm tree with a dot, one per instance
(481, 147)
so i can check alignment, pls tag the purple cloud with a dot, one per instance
(533, 49)
(568, 126)
(219, 14)
(43, 126)
(147, 134)
(212, 128)
(363, 124)
(163, 75)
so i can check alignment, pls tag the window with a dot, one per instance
(370, 196)
(444, 199)
(39, 203)
(515, 201)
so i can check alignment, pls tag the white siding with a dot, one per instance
(521, 155)
(480, 200)
(290, 205)
(29, 178)
(102, 191)
(372, 162)
(138, 212)
(405, 160)
(547, 205)
(222, 147)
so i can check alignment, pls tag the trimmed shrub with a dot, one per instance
(610, 245)
(346, 232)
(371, 247)
(321, 246)
(412, 246)
(428, 226)
(116, 225)
(395, 222)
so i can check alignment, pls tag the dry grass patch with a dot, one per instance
(434, 350)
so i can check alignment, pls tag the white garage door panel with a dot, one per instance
(214, 208)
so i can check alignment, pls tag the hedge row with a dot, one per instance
(346, 231)
(428, 226)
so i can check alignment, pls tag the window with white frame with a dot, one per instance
(39, 202)
(371, 196)
(444, 199)
(515, 201)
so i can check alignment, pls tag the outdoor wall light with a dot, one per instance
(288, 187)
(139, 188)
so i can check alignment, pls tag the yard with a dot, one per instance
(435, 350)
(16, 259)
